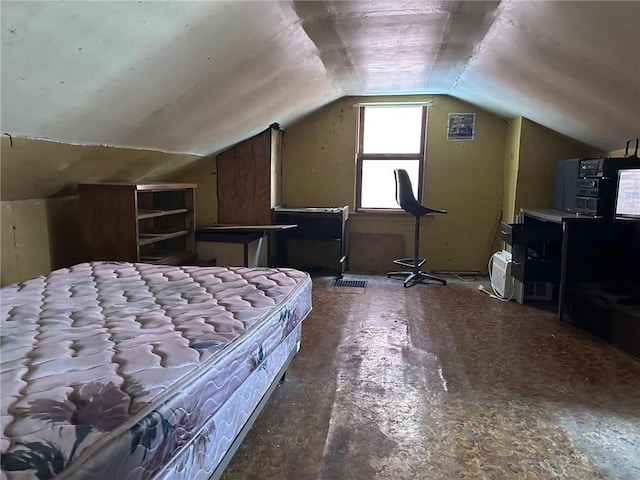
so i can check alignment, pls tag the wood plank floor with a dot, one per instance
(443, 382)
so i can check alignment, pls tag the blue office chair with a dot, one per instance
(407, 200)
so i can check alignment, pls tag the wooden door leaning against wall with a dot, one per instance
(249, 179)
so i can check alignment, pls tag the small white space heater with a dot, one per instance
(501, 281)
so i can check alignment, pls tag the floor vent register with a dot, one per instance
(339, 282)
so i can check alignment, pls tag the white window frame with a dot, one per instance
(361, 157)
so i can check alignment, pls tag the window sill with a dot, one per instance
(380, 211)
(384, 214)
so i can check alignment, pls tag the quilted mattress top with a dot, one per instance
(138, 328)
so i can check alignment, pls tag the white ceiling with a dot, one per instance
(196, 77)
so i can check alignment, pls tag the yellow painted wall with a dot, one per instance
(25, 240)
(511, 159)
(531, 153)
(318, 157)
(464, 178)
(38, 235)
(540, 149)
(39, 215)
(203, 173)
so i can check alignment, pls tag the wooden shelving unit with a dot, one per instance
(148, 222)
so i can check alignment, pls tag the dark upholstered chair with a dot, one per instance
(407, 200)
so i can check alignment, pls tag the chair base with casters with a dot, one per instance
(413, 278)
(408, 202)
(415, 275)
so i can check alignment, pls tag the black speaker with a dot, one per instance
(565, 179)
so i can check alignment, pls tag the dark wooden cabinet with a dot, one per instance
(249, 179)
(535, 249)
(595, 263)
(148, 222)
(319, 223)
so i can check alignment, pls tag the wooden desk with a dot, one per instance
(584, 243)
(314, 223)
(597, 278)
(562, 248)
(241, 234)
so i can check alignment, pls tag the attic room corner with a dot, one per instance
(40, 226)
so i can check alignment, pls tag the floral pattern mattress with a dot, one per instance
(136, 371)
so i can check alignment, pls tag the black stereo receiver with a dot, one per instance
(604, 167)
(595, 186)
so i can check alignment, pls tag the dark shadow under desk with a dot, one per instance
(244, 235)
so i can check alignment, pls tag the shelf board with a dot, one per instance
(162, 186)
(160, 213)
(168, 258)
(152, 237)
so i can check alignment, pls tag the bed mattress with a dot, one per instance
(135, 371)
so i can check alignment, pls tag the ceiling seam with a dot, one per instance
(442, 44)
(17, 136)
(480, 47)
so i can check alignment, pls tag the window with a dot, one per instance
(389, 137)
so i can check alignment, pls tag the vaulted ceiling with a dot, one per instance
(196, 77)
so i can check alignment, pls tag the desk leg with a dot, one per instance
(281, 249)
(562, 288)
(343, 250)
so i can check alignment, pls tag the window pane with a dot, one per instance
(378, 181)
(392, 129)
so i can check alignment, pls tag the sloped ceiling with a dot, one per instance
(196, 77)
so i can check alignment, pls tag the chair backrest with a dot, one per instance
(405, 197)
(404, 193)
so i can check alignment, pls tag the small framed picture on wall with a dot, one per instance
(461, 126)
